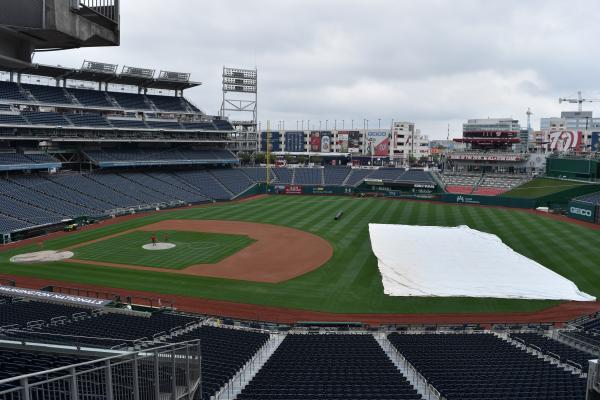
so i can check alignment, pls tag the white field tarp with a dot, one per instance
(433, 261)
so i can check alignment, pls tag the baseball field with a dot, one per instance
(346, 279)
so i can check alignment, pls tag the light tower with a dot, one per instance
(240, 96)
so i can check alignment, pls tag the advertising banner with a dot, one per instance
(325, 141)
(582, 211)
(315, 141)
(293, 189)
(378, 144)
(65, 298)
(342, 141)
(353, 141)
(564, 140)
(595, 141)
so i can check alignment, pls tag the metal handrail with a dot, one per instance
(101, 360)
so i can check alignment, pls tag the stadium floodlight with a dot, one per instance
(239, 73)
(174, 76)
(96, 66)
(240, 96)
(135, 71)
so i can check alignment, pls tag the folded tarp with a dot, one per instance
(433, 261)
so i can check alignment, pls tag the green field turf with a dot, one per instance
(191, 248)
(350, 281)
(540, 187)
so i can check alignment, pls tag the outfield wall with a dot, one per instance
(583, 211)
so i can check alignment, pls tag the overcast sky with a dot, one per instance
(430, 62)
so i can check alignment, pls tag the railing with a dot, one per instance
(167, 372)
(108, 9)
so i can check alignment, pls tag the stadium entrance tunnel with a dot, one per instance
(277, 254)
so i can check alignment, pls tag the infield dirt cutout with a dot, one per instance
(279, 253)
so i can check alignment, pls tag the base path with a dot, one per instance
(279, 253)
(557, 315)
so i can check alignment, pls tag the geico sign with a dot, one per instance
(581, 211)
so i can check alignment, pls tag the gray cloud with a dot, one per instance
(432, 62)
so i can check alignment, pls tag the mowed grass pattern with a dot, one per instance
(539, 187)
(350, 282)
(191, 248)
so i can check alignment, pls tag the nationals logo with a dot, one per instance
(564, 140)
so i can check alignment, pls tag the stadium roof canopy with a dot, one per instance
(58, 72)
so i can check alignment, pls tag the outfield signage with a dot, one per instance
(293, 189)
(42, 295)
(582, 211)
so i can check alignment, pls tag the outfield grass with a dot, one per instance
(350, 281)
(540, 187)
(190, 248)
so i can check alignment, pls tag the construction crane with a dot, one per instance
(579, 100)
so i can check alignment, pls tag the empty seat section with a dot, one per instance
(335, 175)
(233, 179)
(224, 352)
(308, 176)
(12, 119)
(108, 330)
(11, 91)
(142, 194)
(48, 94)
(167, 125)
(356, 176)
(93, 206)
(131, 101)
(46, 118)
(166, 187)
(314, 366)
(81, 183)
(88, 119)
(222, 125)
(40, 200)
(258, 174)
(284, 175)
(204, 126)
(91, 98)
(554, 348)
(205, 183)
(483, 366)
(132, 123)
(168, 103)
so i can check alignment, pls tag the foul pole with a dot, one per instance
(268, 155)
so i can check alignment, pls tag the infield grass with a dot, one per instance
(190, 248)
(350, 282)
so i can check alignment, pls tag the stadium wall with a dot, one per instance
(575, 168)
(583, 211)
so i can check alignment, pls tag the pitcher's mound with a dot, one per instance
(158, 246)
(42, 256)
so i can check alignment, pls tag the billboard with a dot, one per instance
(315, 141)
(342, 141)
(378, 143)
(595, 141)
(353, 141)
(564, 140)
(325, 141)
(294, 141)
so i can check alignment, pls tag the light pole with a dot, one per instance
(326, 123)
(378, 123)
